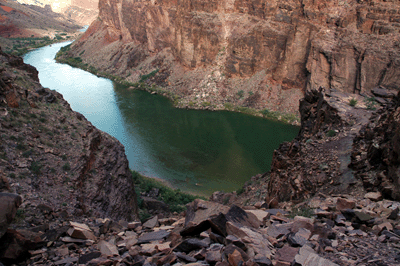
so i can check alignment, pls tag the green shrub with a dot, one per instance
(21, 147)
(174, 198)
(331, 133)
(240, 191)
(205, 104)
(352, 102)
(228, 106)
(370, 103)
(302, 211)
(240, 94)
(27, 153)
(35, 167)
(66, 167)
(147, 76)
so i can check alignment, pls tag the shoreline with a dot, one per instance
(168, 184)
(287, 118)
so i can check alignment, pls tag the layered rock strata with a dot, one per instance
(260, 54)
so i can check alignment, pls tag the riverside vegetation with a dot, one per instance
(20, 46)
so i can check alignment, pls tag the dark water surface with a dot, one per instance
(196, 151)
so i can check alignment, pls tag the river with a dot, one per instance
(196, 151)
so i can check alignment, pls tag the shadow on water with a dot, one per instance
(201, 151)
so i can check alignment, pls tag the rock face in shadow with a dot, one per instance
(207, 51)
(9, 204)
(376, 152)
(53, 157)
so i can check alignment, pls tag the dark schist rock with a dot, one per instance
(9, 204)
(375, 157)
(60, 154)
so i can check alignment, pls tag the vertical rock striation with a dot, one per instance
(210, 50)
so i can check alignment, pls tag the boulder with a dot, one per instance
(151, 223)
(229, 249)
(343, 204)
(307, 257)
(9, 204)
(80, 231)
(155, 206)
(202, 215)
(286, 254)
(240, 216)
(107, 249)
(15, 244)
(235, 259)
(374, 196)
(153, 236)
(255, 240)
(261, 215)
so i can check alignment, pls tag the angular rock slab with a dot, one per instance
(257, 241)
(307, 257)
(153, 236)
(80, 231)
(151, 223)
(9, 204)
(107, 248)
(202, 215)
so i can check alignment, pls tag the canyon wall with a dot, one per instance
(82, 12)
(253, 53)
(53, 157)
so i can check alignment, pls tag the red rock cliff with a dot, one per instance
(208, 51)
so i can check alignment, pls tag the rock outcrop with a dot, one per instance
(259, 54)
(376, 152)
(317, 160)
(9, 204)
(58, 162)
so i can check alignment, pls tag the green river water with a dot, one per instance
(195, 151)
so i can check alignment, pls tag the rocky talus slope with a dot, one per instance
(258, 54)
(58, 163)
(341, 231)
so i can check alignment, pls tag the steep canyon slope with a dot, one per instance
(53, 157)
(26, 21)
(82, 12)
(252, 53)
